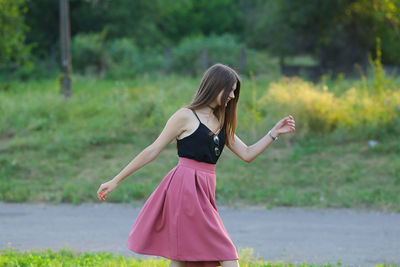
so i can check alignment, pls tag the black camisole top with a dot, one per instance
(200, 145)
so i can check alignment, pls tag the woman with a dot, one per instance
(180, 220)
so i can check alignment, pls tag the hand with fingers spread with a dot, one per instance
(285, 125)
(108, 187)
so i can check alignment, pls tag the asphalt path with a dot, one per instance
(355, 238)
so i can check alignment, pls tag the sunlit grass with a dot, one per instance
(317, 110)
(66, 257)
(57, 150)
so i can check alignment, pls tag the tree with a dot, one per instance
(338, 32)
(12, 33)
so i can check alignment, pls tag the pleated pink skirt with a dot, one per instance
(180, 220)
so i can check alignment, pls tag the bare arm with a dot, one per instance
(249, 153)
(174, 127)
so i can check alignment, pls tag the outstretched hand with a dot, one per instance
(285, 125)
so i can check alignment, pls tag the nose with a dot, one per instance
(232, 95)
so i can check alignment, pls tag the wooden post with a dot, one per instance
(65, 34)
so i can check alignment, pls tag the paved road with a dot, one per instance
(295, 235)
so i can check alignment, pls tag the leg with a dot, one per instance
(177, 263)
(230, 263)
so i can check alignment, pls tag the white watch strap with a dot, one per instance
(274, 138)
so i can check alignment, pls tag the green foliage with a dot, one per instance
(67, 257)
(52, 150)
(88, 52)
(192, 54)
(117, 58)
(12, 32)
(386, 17)
(152, 23)
(123, 58)
(35, 69)
(338, 32)
(380, 81)
(18, 59)
(313, 109)
(320, 111)
(252, 107)
(187, 56)
(15, 54)
(368, 108)
(121, 51)
(121, 54)
(126, 59)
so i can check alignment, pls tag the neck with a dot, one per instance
(212, 107)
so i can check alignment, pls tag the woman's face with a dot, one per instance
(230, 96)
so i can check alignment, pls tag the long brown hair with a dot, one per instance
(216, 78)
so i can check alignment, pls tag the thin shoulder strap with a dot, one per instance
(196, 115)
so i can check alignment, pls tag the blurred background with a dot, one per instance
(71, 120)
(121, 38)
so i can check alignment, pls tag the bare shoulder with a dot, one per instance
(187, 122)
(180, 119)
(183, 114)
(175, 125)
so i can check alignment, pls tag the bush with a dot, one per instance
(187, 56)
(320, 111)
(122, 58)
(121, 51)
(88, 53)
(125, 59)
(313, 110)
(35, 68)
(193, 54)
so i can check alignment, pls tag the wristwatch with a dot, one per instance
(273, 137)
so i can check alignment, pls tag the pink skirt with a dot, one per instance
(180, 220)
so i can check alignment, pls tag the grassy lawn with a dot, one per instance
(65, 257)
(56, 150)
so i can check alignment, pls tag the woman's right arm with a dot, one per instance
(174, 127)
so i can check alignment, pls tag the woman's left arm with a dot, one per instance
(249, 153)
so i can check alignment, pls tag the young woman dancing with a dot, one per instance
(180, 220)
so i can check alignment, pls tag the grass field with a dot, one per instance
(66, 257)
(56, 150)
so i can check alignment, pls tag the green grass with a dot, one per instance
(305, 60)
(56, 150)
(316, 173)
(65, 257)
